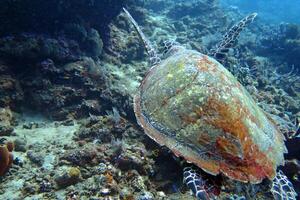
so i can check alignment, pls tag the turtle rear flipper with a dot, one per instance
(194, 182)
(153, 55)
(282, 188)
(220, 51)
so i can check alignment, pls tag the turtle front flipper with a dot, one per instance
(168, 45)
(220, 51)
(194, 181)
(282, 188)
(153, 55)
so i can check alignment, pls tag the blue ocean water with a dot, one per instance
(274, 11)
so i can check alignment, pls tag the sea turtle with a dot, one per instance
(190, 103)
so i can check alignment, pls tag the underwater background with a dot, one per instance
(271, 11)
(68, 74)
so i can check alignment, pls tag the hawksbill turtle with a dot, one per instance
(190, 103)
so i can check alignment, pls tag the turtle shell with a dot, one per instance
(194, 106)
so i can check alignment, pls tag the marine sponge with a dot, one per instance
(69, 177)
(74, 172)
(6, 157)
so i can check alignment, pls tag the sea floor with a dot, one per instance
(55, 164)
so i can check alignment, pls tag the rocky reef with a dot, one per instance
(69, 69)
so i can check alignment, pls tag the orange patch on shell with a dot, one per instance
(227, 146)
(204, 64)
(204, 139)
(254, 165)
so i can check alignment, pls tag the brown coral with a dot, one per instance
(6, 157)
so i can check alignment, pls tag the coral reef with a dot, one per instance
(66, 90)
(75, 84)
(284, 41)
(6, 121)
(32, 49)
(11, 93)
(39, 16)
